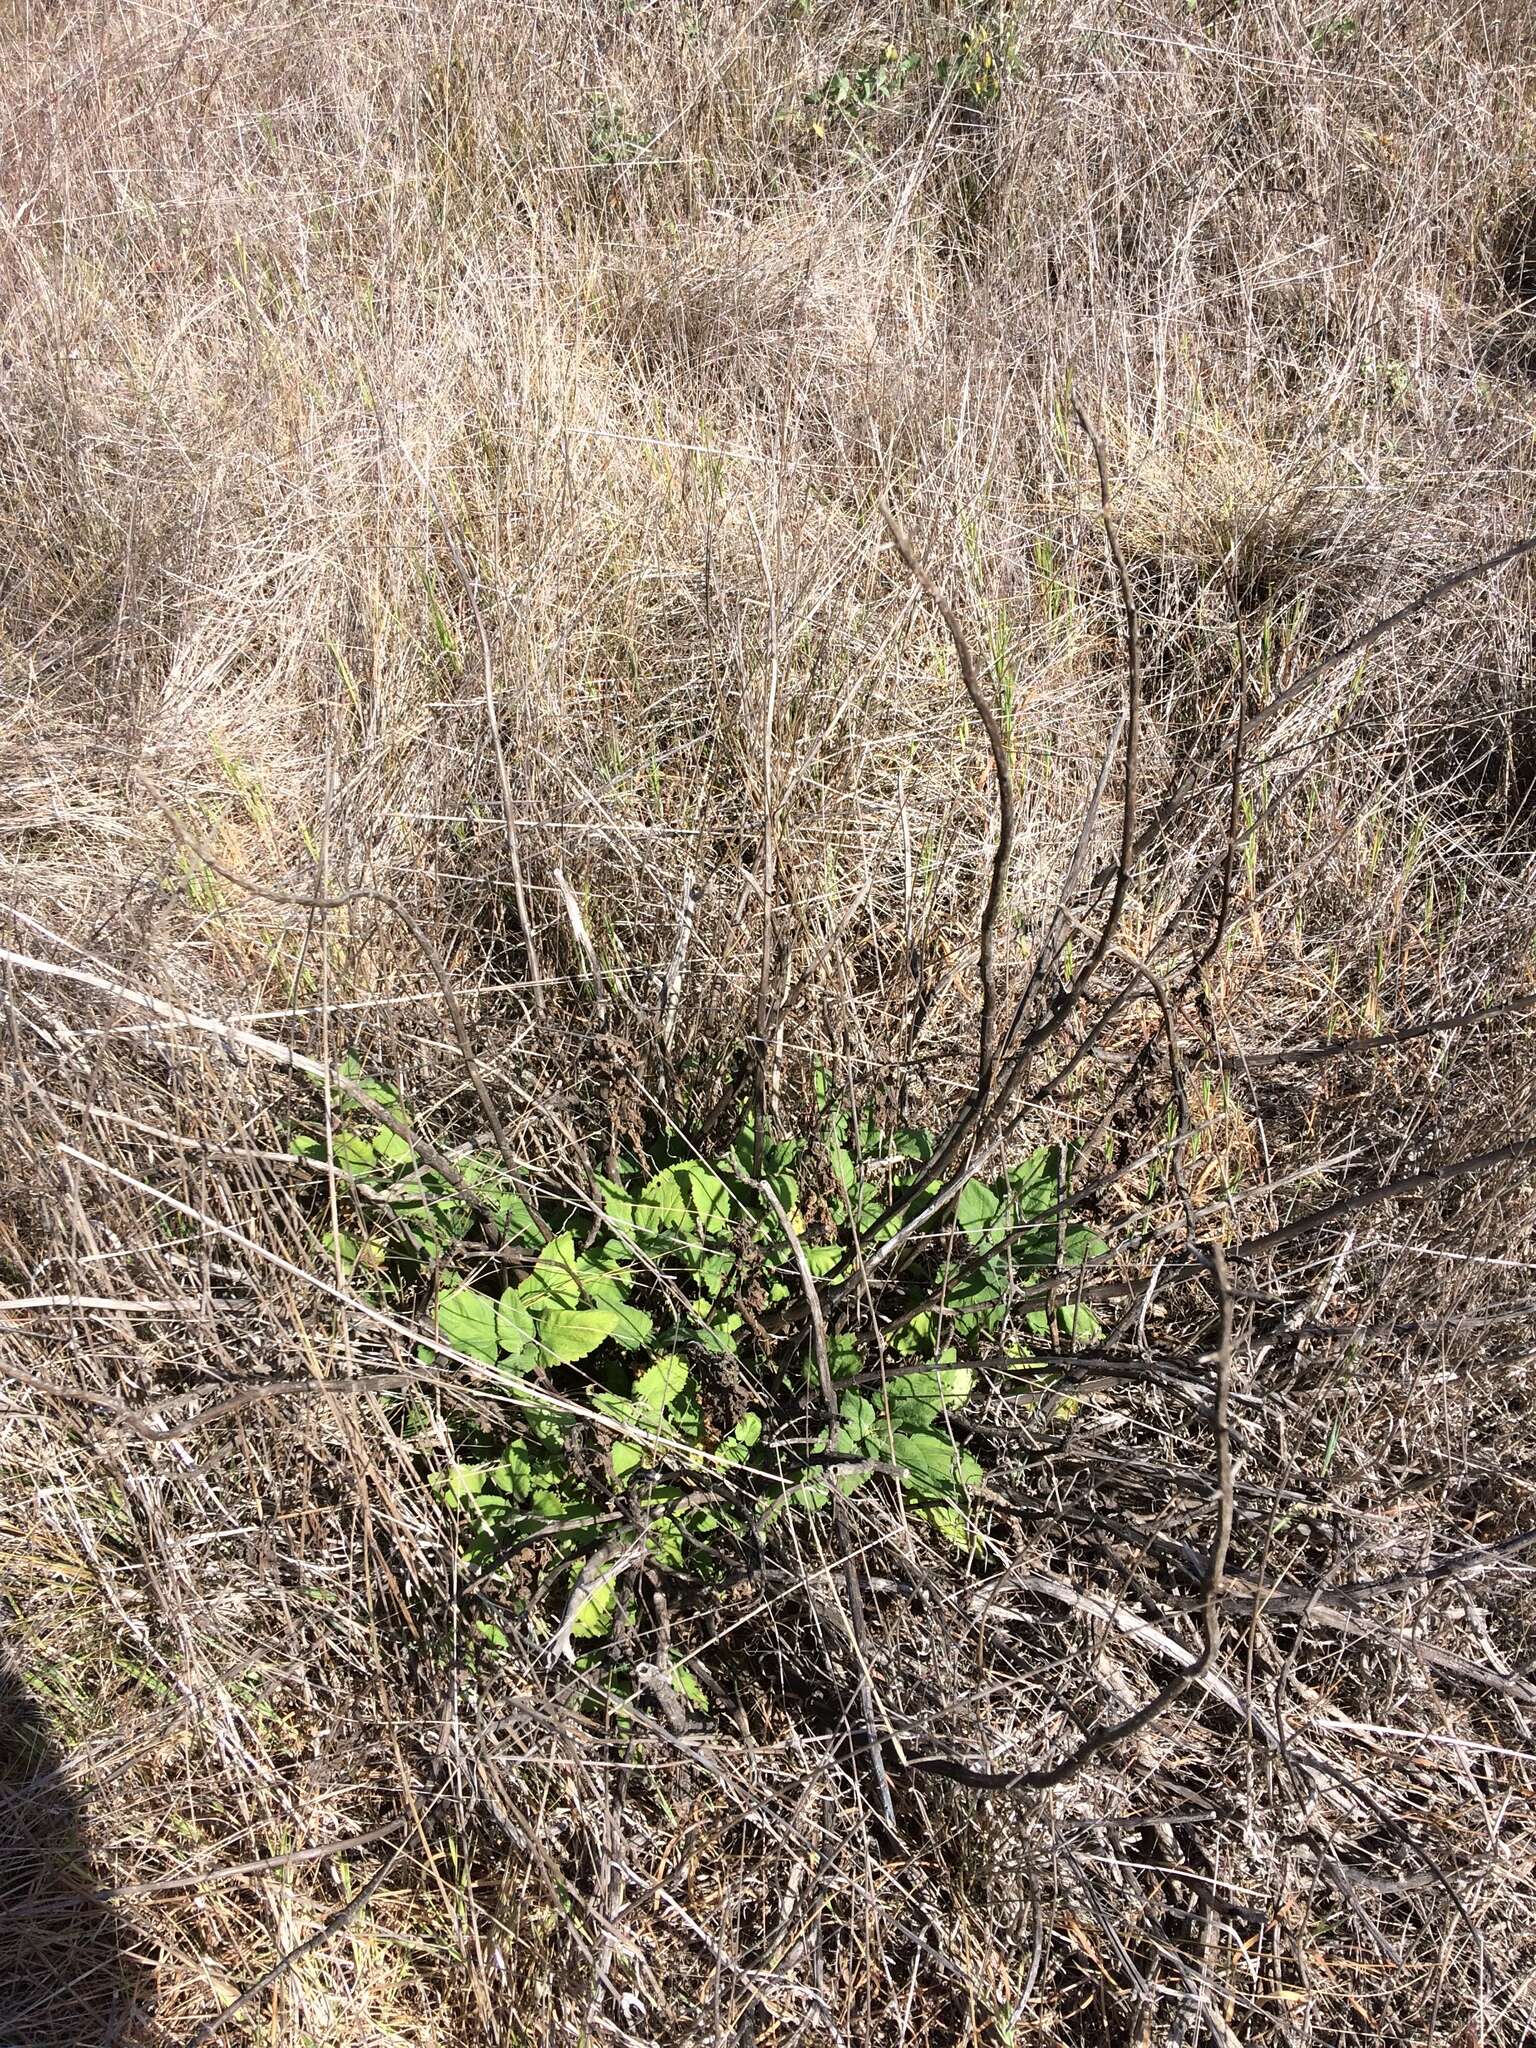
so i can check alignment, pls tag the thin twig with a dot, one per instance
(297, 900)
(173, 1015)
(857, 1620)
(292, 1957)
(1405, 1034)
(1062, 1010)
(1002, 856)
(1107, 1736)
(493, 720)
(1361, 643)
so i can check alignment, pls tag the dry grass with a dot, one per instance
(332, 338)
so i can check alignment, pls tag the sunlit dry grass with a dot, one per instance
(362, 368)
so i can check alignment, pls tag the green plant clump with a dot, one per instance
(667, 1313)
(971, 70)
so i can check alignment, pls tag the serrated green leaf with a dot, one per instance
(927, 1462)
(949, 1522)
(632, 1327)
(625, 1458)
(858, 1423)
(665, 1541)
(916, 1337)
(570, 1334)
(617, 1206)
(594, 1617)
(662, 1205)
(716, 1332)
(605, 1283)
(550, 1500)
(662, 1385)
(916, 1398)
(353, 1153)
(488, 1178)
(737, 1447)
(467, 1320)
(684, 1201)
(689, 1687)
(843, 1354)
(553, 1279)
(515, 1474)
(710, 1270)
(514, 1324)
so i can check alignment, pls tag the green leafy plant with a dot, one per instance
(668, 1387)
(850, 94)
(616, 152)
(976, 68)
(972, 70)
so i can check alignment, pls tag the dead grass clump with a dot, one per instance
(446, 620)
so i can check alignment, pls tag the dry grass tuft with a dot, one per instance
(439, 454)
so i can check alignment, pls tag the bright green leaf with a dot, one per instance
(553, 1278)
(665, 1541)
(662, 1385)
(467, 1320)
(689, 1687)
(858, 1422)
(1080, 1323)
(663, 1205)
(843, 1354)
(1081, 1245)
(514, 1324)
(736, 1448)
(1035, 1182)
(569, 1334)
(464, 1484)
(352, 1153)
(916, 1398)
(927, 1462)
(632, 1327)
(625, 1458)
(594, 1617)
(949, 1522)
(977, 1212)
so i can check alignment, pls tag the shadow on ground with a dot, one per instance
(68, 1974)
